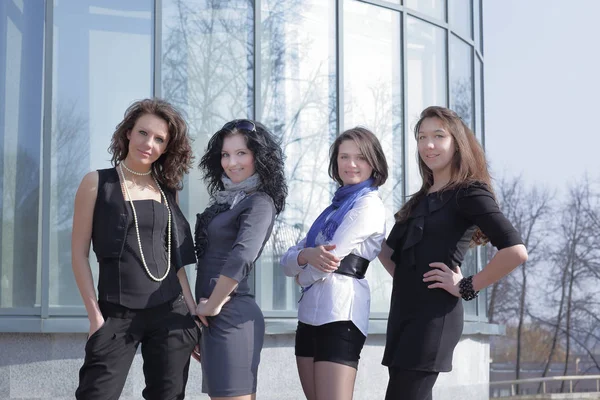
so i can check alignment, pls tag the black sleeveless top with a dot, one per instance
(123, 279)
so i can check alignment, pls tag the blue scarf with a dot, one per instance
(342, 202)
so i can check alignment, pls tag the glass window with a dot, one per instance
(479, 112)
(426, 84)
(207, 71)
(102, 62)
(433, 8)
(21, 85)
(477, 24)
(460, 17)
(461, 101)
(461, 79)
(298, 92)
(373, 98)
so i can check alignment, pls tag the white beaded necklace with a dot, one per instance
(137, 229)
(135, 172)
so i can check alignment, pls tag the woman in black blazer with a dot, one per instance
(455, 209)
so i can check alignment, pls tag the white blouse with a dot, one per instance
(335, 297)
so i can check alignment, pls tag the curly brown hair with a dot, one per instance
(177, 158)
(468, 164)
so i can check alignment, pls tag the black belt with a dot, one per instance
(354, 266)
(118, 311)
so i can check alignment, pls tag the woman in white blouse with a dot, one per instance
(330, 265)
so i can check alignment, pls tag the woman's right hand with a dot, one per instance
(320, 257)
(95, 324)
(196, 353)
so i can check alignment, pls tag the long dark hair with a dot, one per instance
(468, 164)
(268, 161)
(178, 156)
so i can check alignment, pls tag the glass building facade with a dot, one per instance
(308, 69)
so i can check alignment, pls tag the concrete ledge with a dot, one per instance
(274, 326)
(483, 328)
(45, 366)
(554, 396)
(284, 326)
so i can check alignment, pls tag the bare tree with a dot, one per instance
(208, 70)
(461, 99)
(70, 133)
(575, 263)
(536, 339)
(528, 208)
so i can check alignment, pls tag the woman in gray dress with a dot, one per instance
(243, 168)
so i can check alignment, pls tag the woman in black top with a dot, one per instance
(454, 209)
(243, 167)
(142, 242)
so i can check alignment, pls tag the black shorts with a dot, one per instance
(340, 342)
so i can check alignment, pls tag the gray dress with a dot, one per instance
(231, 344)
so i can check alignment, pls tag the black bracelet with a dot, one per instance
(465, 288)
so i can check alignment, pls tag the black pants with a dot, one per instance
(168, 335)
(406, 384)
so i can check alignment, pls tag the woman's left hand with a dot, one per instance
(444, 278)
(202, 310)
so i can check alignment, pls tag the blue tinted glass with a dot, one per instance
(103, 58)
(299, 103)
(426, 84)
(461, 79)
(208, 72)
(460, 17)
(373, 98)
(21, 84)
(432, 8)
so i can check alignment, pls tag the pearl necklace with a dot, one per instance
(137, 229)
(135, 172)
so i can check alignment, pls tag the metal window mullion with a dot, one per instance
(472, 22)
(462, 39)
(339, 62)
(157, 82)
(257, 114)
(447, 45)
(480, 47)
(482, 90)
(46, 174)
(473, 88)
(447, 60)
(478, 54)
(428, 19)
(20, 311)
(447, 10)
(257, 106)
(478, 268)
(68, 311)
(413, 13)
(383, 4)
(405, 135)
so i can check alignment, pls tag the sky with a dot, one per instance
(542, 89)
